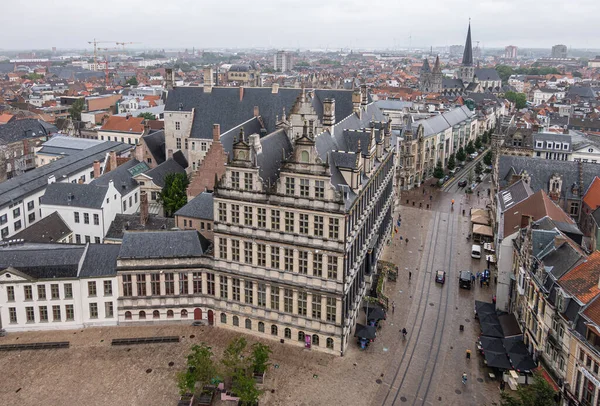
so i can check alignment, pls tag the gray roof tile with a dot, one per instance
(200, 207)
(49, 229)
(100, 260)
(165, 244)
(81, 195)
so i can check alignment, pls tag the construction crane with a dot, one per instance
(95, 43)
(106, 63)
(126, 43)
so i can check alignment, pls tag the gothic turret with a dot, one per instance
(467, 71)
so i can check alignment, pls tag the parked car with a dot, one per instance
(462, 183)
(443, 180)
(474, 155)
(476, 251)
(464, 280)
(440, 277)
(478, 179)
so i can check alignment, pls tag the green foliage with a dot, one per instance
(539, 393)
(200, 369)
(268, 69)
(505, 71)
(470, 148)
(302, 64)
(329, 62)
(461, 155)
(470, 176)
(147, 116)
(173, 196)
(478, 168)
(33, 76)
(451, 162)
(577, 74)
(233, 356)
(438, 172)
(260, 357)
(76, 109)
(477, 142)
(487, 159)
(132, 81)
(520, 99)
(485, 137)
(244, 386)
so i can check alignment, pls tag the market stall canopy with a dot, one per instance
(484, 308)
(366, 332)
(480, 220)
(480, 212)
(483, 230)
(374, 312)
(497, 360)
(522, 362)
(510, 325)
(515, 345)
(492, 344)
(492, 329)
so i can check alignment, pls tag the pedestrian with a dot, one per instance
(393, 307)
(430, 197)
(494, 299)
(481, 283)
(488, 262)
(472, 278)
(502, 385)
(406, 240)
(396, 230)
(409, 275)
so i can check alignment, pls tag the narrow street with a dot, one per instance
(426, 367)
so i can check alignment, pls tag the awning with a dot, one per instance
(480, 212)
(522, 362)
(366, 332)
(492, 344)
(480, 220)
(374, 312)
(484, 307)
(483, 230)
(492, 329)
(497, 360)
(510, 325)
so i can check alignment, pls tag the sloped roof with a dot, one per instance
(100, 260)
(582, 281)
(41, 261)
(155, 142)
(122, 176)
(81, 195)
(200, 207)
(487, 74)
(275, 147)
(18, 130)
(124, 124)
(467, 59)
(159, 173)
(48, 229)
(592, 195)
(515, 193)
(165, 244)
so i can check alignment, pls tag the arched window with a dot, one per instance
(301, 336)
(261, 327)
(315, 340)
(127, 315)
(142, 315)
(330, 343)
(156, 314)
(287, 333)
(274, 330)
(223, 318)
(169, 314)
(248, 323)
(184, 314)
(304, 157)
(236, 321)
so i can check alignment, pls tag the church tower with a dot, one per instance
(436, 77)
(425, 77)
(467, 70)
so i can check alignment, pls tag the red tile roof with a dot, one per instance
(124, 124)
(592, 195)
(582, 281)
(538, 206)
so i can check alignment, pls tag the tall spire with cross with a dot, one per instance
(468, 53)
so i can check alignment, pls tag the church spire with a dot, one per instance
(468, 54)
(436, 67)
(425, 67)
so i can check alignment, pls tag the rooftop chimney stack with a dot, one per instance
(112, 156)
(216, 132)
(356, 101)
(96, 169)
(256, 111)
(241, 93)
(169, 79)
(208, 80)
(143, 208)
(328, 113)
(275, 88)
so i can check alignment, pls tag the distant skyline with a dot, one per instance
(332, 24)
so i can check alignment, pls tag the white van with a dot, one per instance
(476, 251)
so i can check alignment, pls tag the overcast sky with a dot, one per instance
(299, 23)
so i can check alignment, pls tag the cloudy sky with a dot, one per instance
(299, 23)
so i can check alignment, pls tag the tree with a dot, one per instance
(244, 386)
(539, 393)
(520, 99)
(487, 159)
(451, 162)
(260, 358)
(438, 172)
(477, 142)
(200, 369)
(76, 109)
(173, 196)
(461, 155)
(504, 72)
(470, 148)
(233, 356)
(147, 116)
(485, 137)
(478, 168)
(470, 176)
(132, 81)
(577, 74)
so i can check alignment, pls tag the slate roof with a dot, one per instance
(425, 68)
(100, 260)
(82, 195)
(584, 92)
(18, 130)
(22, 186)
(467, 59)
(42, 261)
(122, 176)
(154, 244)
(551, 137)
(274, 147)
(155, 142)
(200, 207)
(582, 281)
(487, 74)
(159, 173)
(345, 160)
(561, 260)
(450, 83)
(131, 222)
(252, 126)
(513, 194)
(49, 229)
(64, 145)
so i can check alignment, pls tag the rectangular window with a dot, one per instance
(210, 284)
(222, 212)
(177, 125)
(274, 257)
(155, 284)
(91, 289)
(224, 282)
(28, 290)
(93, 310)
(70, 312)
(302, 300)
(303, 262)
(288, 300)
(334, 228)
(87, 239)
(86, 218)
(235, 213)
(41, 292)
(275, 216)
(30, 314)
(127, 286)
(289, 222)
(262, 295)
(275, 297)
(235, 250)
(12, 314)
(261, 253)
(4, 232)
(236, 290)
(10, 293)
(78, 238)
(43, 313)
(107, 288)
(318, 223)
(141, 284)
(290, 186)
(169, 283)
(331, 309)
(183, 283)
(3, 219)
(109, 310)
(68, 291)
(261, 217)
(304, 187)
(318, 265)
(97, 219)
(55, 313)
(16, 212)
(223, 248)
(197, 282)
(31, 217)
(186, 143)
(248, 181)
(316, 307)
(97, 240)
(248, 215)
(17, 225)
(235, 180)
(248, 292)
(303, 223)
(332, 267)
(248, 252)
(288, 259)
(30, 205)
(178, 143)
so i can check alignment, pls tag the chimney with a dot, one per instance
(96, 169)
(275, 88)
(364, 95)
(525, 221)
(356, 102)
(51, 179)
(143, 208)
(241, 93)
(112, 156)
(559, 240)
(328, 113)
(169, 78)
(208, 77)
(256, 111)
(216, 132)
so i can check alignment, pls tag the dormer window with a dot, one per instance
(539, 144)
(565, 146)
(550, 145)
(290, 186)
(235, 180)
